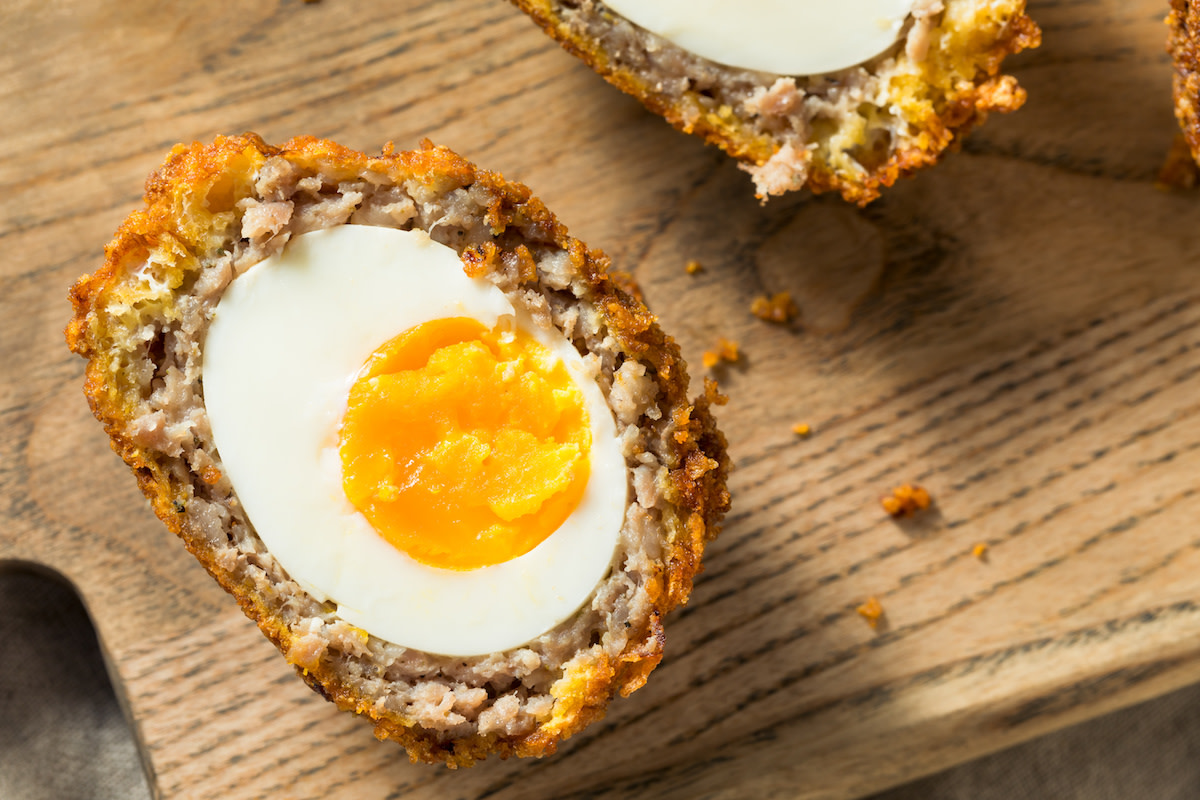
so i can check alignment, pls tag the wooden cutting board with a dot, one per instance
(1017, 330)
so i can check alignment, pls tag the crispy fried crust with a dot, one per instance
(1184, 46)
(938, 99)
(188, 204)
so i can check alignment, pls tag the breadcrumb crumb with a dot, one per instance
(1179, 172)
(693, 267)
(774, 308)
(980, 551)
(802, 429)
(906, 500)
(871, 611)
(727, 350)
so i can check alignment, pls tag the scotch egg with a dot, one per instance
(828, 95)
(447, 465)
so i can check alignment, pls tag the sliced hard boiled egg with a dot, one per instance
(786, 37)
(409, 445)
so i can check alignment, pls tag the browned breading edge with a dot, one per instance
(1184, 46)
(952, 117)
(696, 485)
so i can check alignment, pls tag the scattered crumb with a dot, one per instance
(871, 611)
(726, 351)
(980, 551)
(712, 393)
(776, 308)
(1179, 172)
(906, 500)
(801, 429)
(693, 267)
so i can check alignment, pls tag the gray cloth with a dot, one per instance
(63, 737)
(62, 734)
(1147, 752)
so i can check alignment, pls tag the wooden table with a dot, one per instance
(1017, 330)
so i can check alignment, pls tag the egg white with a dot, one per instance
(286, 342)
(787, 37)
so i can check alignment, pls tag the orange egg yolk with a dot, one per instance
(464, 447)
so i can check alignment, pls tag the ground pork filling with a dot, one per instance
(164, 318)
(780, 106)
(849, 122)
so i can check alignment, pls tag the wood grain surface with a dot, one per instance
(1017, 329)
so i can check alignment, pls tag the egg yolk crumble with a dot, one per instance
(464, 446)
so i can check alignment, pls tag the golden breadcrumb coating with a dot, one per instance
(1184, 46)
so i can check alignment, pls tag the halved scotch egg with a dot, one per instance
(450, 469)
(832, 95)
(1184, 46)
